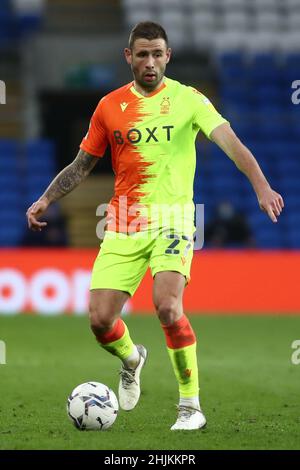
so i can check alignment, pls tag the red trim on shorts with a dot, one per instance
(114, 334)
(180, 334)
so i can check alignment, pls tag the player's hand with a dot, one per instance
(271, 203)
(34, 212)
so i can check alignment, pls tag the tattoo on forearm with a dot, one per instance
(71, 176)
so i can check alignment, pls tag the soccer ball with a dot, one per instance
(92, 406)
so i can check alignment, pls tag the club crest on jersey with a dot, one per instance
(165, 106)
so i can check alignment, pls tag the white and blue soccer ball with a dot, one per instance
(92, 406)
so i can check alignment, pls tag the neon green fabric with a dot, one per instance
(123, 259)
(122, 348)
(184, 362)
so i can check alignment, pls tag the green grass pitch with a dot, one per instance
(249, 386)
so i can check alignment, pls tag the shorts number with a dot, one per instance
(176, 239)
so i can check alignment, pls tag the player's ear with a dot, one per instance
(128, 55)
(169, 53)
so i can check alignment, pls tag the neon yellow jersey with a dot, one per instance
(152, 142)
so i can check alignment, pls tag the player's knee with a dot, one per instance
(101, 320)
(168, 310)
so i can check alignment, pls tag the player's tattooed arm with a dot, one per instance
(63, 183)
(70, 177)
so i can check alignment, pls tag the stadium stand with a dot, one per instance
(25, 171)
(254, 98)
(18, 19)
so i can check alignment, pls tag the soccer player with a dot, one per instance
(151, 125)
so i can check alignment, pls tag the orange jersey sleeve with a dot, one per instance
(95, 141)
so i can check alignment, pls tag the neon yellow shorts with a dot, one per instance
(123, 259)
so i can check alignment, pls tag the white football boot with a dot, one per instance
(129, 385)
(189, 419)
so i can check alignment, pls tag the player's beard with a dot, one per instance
(148, 86)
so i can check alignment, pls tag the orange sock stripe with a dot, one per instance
(114, 334)
(180, 334)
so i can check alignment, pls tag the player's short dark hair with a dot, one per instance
(147, 30)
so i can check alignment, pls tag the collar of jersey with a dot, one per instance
(136, 93)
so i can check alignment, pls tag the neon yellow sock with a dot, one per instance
(117, 341)
(184, 362)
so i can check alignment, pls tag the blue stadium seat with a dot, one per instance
(264, 68)
(292, 218)
(256, 217)
(37, 180)
(11, 236)
(290, 184)
(202, 184)
(288, 95)
(227, 194)
(9, 156)
(42, 166)
(231, 58)
(10, 215)
(269, 124)
(269, 238)
(236, 91)
(20, 185)
(264, 60)
(292, 203)
(293, 238)
(282, 148)
(9, 181)
(245, 128)
(294, 125)
(269, 168)
(267, 235)
(289, 74)
(12, 226)
(273, 128)
(29, 23)
(39, 147)
(265, 232)
(226, 177)
(288, 167)
(10, 164)
(218, 157)
(11, 199)
(263, 75)
(40, 154)
(249, 203)
(233, 71)
(8, 27)
(8, 147)
(256, 146)
(236, 110)
(267, 96)
(33, 195)
(291, 59)
(266, 159)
